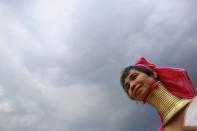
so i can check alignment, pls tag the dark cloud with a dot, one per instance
(60, 66)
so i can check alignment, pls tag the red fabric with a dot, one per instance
(161, 128)
(151, 88)
(175, 79)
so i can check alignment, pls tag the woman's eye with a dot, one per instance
(132, 77)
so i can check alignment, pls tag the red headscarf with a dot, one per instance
(176, 80)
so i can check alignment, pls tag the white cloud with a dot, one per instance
(1, 91)
(5, 107)
(5, 104)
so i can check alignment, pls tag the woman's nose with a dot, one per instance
(132, 85)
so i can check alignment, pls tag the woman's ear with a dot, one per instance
(155, 75)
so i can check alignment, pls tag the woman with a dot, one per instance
(169, 90)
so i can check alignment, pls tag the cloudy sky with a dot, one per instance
(60, 60)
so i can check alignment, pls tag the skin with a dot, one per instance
(137, 84)
(177, 123)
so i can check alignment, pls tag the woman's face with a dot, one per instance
(137, 84)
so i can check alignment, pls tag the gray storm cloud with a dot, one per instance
(60, 61)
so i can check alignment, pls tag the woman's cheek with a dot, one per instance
(129, 93)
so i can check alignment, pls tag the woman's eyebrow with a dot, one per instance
(132, 75)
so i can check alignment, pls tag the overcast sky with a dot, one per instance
(61, 60)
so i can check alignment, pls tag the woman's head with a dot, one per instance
(136, 81)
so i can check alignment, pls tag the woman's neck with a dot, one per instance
(177, 123)
(166, 103)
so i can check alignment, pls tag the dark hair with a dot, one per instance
(126, 70)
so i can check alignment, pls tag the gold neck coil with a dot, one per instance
(166, 103)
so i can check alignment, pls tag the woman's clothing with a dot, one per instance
(191, 113)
